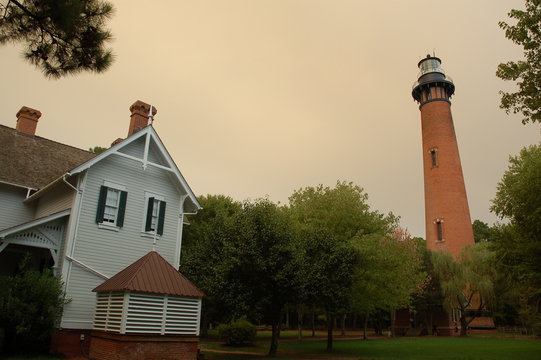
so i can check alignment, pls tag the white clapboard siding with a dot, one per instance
(58, 199)
(13, 211)
(109, 252)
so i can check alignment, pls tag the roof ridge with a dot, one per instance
(45, 139)
(157, 276)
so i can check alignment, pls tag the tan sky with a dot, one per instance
(261, 98)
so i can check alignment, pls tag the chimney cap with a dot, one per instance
(29, 113)
(143, 108)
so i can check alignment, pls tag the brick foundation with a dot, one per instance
(67, 342)
(111, 346)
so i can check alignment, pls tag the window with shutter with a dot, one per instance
(154, 214)
(111, 205)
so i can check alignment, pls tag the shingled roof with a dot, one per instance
(151, 274)
(33, 161)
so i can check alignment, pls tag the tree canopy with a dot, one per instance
(326, 221)
(61, 37)
(518, 243)
(467, 283)
(242, 256)
(388, 274)
(526, 73)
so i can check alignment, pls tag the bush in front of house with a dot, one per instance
(237, 333)
(30, 308)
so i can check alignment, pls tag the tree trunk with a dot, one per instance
(275, 335)
(343, 325)
(204, 327)
(393, 318)
(287, 319)
(430, 322)
(330, 328)
(463, 326)
(313, 323)
(299, 323)
(365, 327)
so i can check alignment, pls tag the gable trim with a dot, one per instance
(149, 133)
(33, 223)
(19, 186)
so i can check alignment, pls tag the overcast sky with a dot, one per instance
(259, 98)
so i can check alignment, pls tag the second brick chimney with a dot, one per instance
(27, 120)
(139, 116)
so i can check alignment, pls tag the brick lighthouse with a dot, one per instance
(447, 215)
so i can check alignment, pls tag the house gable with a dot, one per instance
(146, 148)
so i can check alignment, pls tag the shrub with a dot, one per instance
(30, 307)
(237, 333)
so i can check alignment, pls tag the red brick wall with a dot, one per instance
(68, 342)
(445, 193)
(108, 346)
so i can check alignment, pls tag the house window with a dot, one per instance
(439, 229)
(111, 205)
(155, 214)
(434, 156)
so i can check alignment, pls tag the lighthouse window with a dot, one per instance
(439, 229)
(434, 157)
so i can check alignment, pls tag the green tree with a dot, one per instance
(61, 37)
(518, 246)
(30, 308)
(327, 270)
(526, 73)
(482, 232)
(326, 220)
(342, 211)
(203, 245)
(242, 256)
(429, 300)
(262, 263)
(467, 283)
(388, 274)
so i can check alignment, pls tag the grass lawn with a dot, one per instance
(433, 348)
(476, 347)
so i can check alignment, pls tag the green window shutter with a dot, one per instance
(121, 209)
(101, 204)
(161, 217)
(148, 224)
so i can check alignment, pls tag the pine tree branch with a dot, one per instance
(40, 23)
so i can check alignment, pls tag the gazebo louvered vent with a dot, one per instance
(148, 297)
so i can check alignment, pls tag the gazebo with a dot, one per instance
(148, 310)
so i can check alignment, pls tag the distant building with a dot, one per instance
(89, 217)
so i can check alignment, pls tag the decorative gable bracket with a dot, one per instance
(46, 236)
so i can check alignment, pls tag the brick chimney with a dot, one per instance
(139, 116)
(27, 120)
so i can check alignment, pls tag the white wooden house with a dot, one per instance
(90, 216)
